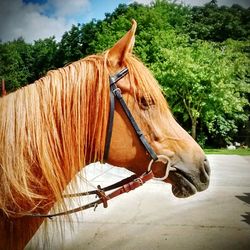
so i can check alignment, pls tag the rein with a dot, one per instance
(129, 183)
(124, 186)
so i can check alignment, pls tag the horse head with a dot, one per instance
(168, 139)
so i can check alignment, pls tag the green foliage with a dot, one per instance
(199, 55)
(206, 83)
(109, 33)
(214, 23)
(15, 59)
(43, 54)
(23, 63)
(70, 48)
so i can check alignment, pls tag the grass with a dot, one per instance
(224, 151)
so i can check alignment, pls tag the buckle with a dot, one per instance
(102, 196)
(117, 92)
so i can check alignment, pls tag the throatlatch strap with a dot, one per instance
(112, 81)
(110, 126)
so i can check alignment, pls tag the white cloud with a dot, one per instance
(30, 22)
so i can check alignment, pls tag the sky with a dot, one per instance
(39, 19)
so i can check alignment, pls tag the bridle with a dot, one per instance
(115, 93)
(127, 184)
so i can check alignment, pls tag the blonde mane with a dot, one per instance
(49, 130)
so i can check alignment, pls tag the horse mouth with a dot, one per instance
(183, 184)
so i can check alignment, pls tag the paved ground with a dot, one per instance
(152, 218)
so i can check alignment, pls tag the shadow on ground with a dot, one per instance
(246, 199)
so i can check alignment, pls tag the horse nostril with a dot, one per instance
(205, 172)
(207, 166)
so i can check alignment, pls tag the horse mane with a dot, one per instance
(49, 130)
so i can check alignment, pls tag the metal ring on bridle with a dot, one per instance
(164, 159)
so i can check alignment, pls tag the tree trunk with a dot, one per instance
(3, 88)
(194, 125)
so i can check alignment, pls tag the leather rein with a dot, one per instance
(129, 183)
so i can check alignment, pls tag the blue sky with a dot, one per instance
(93, 8)
(39, 19)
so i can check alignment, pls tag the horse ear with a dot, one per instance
(124, 46)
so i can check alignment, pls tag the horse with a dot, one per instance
(51, 129)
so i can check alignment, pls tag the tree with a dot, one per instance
(43, 57)
(206, 83)
(15, 60)
(214, 23)
(70, 47)
(160, 16)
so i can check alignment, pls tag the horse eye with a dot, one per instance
(144, 103)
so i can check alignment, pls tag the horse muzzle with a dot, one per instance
(187, 180)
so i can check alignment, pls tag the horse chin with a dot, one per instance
(182, 184)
